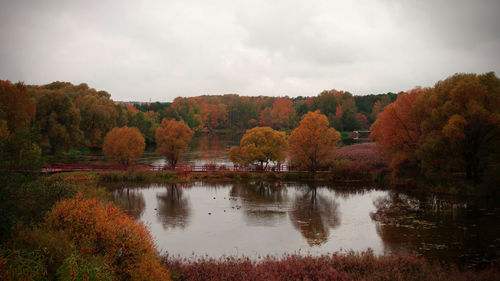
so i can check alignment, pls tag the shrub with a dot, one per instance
(349, 266)
(76, 267)
(102, 230)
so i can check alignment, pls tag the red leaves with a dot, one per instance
(349, 266)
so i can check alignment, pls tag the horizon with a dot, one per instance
(161, 50)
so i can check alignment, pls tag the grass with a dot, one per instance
(336, 266)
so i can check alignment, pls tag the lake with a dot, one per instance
(257, 219)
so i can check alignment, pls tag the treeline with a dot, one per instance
(345, 112)
(60, 116)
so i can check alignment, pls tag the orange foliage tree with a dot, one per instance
(452, 127)
(16, 107)
(123, 145)
(103, 230)
(313, 143)
(282, 113)
(172, 138)
(398, 129)
(260, 144)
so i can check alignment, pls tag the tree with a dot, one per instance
(397, 129)
(260, 145)
(312, 144)
(57, 121)
(123, 145)
(146, 125)
(462, 131)
(98, 116)
(18, 150)
(453, 127)
(16, 107)
(282, 113)
(172, 138)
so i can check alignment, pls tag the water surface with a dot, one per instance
(257, 219)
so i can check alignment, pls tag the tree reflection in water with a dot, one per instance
(263, 203)
(173, 207)
(313, 215)
(130, 200)
(427, 225)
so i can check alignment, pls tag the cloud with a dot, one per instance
(141, 50)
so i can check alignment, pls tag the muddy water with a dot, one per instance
(257, 219)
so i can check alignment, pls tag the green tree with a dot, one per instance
(57, 121)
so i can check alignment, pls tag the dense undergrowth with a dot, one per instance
(346, 266)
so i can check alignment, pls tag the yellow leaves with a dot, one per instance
(454, 128)
(260, 144)
(123, 145)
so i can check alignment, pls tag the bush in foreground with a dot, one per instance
(350, 266)
(83, 239)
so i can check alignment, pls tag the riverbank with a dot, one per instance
(346, 266)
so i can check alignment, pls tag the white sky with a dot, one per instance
(158, 50)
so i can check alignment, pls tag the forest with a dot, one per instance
(61, 226)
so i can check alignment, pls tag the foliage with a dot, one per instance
(98, 116)
(123, 145)
(57, 121)
(348, 266)
(22, 265)
(312, 144)
(452, 127)
(172, 138)
(24, 200)
(261, 145)
(18, 148)
(102, 230)
(16, 107)
(146, 125)
(398, 128)
(76, 267)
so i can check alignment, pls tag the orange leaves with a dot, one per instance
(15, 105)
(312, 144)
(123, 145)
(451, 127)
(172, 138)
(99, 229)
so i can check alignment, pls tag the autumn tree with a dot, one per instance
(260, 145)
(282, 113)
(398, 129)
(16, 107)
(452, 127)
(313, 143)
(463, 128)
(172, 138)
(18, 148)
(98, 116)
(123, 145)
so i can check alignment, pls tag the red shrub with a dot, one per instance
(364, 266)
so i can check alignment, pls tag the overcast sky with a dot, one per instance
(158, 50)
